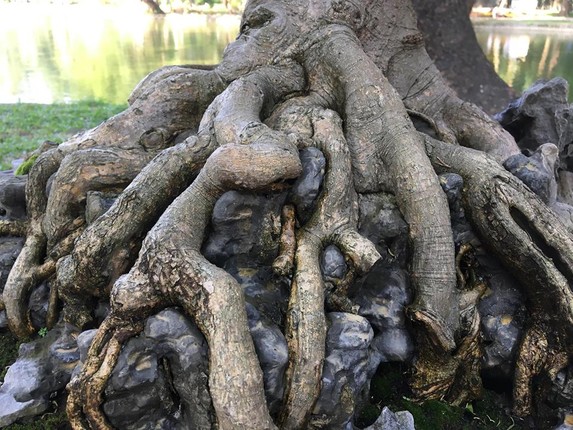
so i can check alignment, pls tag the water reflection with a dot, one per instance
(65, 53)
(522, 56)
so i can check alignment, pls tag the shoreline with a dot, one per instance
(533, 23)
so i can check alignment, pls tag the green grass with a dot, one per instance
(56, 420)
(8, 352)
(23, 126)
(389, 388)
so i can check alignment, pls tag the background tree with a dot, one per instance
(451, 42)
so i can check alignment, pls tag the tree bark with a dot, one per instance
(452, 45)
(154, 7)
(345, 77)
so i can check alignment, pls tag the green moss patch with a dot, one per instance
(389, 388)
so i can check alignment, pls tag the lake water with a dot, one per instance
(65, 53)
(522, 56)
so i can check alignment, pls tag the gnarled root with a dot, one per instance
(171, 271)
(97, 260)
(532, 242)
(86, 389)
(334, 221)
(108, 155)
(420, 84)
(24, 274)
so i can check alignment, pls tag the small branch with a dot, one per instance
(13, 228)
(284, 262)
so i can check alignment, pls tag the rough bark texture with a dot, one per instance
(344, 77)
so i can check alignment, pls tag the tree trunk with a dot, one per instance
(451, 43)
(565, 8)
(349, 79)
(154, 7)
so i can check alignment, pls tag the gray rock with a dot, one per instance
(97, 203)
(382, 222)
(502, 313)
(245, 226)
(452, 184)
(11, 410)
(537, 171)
(185, 348)
(43, 367)
(38, 305)
(394, 344)
(12, 196)
(389, 420)
(265, 291)
(84, 340)
(348, 368)
(541, 115)
(306, 188)
(332, 263)
(272, 351)
(384, 293)
(169, 356)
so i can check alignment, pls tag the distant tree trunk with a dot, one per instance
(154, 6)
(452, 44)
(565, 7)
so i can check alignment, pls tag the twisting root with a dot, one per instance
(85, 390)
(531, 241)
(23, 277)
(13, 228)
(284, 263)
(171, 271)
(109, 155)
(97, 260)
(334, 221)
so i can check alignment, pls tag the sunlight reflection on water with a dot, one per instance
(65, 53)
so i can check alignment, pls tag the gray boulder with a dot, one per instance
(389, 420)
(348, 368)
(12, 196)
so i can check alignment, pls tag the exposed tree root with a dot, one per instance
(13, 228)
(171, 271)
(284, 263)
(532, 241)
(340, 76)
(334, 221)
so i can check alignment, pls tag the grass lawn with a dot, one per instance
(24, 126)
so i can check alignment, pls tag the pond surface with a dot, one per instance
(522, 56)
(66, 53)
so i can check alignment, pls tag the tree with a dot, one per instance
(347, 78)
(451, 42)
(154, 7)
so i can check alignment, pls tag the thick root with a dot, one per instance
(398, 49)
(98, 259)
(171, 271)
(334, 221)
(532, 242)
